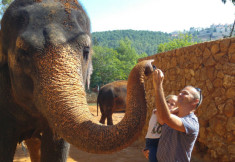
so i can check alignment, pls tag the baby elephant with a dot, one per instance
(111, 98)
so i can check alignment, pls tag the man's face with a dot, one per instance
(185, 96)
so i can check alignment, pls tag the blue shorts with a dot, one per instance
(151, 145)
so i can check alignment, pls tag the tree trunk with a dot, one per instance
(231, 33)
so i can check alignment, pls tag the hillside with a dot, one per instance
(214, 32)
(142, 41)
(148, 41)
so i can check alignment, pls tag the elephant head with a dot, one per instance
(45, 48)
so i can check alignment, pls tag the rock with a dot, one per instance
(198, 51)
(224, 45)
(218, 123)
(206, 54)
(211, 111)
(232, 58)
(229, 68)
(173, 62)
(231, 124)
(219, 100)
(218, 56)
(172, 74)
(215, 49)
(193, 81)
(203, 74)
(209, 85)
(213, 154)
(231, 53)
(220, 74)
(211, 72)
(218, 82)
(231, 150)
(202, 133)
(230, 93)
(191, 71)
(221, 108)
(218, 66)
(229, 108)
(230, 137)
(232, 48)
(228, 81)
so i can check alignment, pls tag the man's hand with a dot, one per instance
(158, 77)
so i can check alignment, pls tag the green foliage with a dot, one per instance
(127, 56)
(113, 64)
(104, 63)
(142, 41)
(4, 4)
(183, 40)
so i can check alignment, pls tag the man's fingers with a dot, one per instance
(160, 73)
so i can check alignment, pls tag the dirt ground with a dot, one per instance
(130, 154)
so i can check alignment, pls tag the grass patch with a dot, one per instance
(91, 104)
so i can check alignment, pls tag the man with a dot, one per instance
(179, 132)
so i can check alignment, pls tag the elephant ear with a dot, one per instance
(3, 58)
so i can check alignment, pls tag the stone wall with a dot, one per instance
(209, 66)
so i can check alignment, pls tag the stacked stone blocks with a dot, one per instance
(209, 66)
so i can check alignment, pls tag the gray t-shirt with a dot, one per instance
(176, 146)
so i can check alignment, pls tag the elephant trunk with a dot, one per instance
(62, 100)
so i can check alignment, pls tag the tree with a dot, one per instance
(113, 64)
(231, 33)
(95, 41)
(183, 40)
(142, 41)
(127, 56)
(4, 4)
(105, 64)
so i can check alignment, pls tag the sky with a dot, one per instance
(157, 15)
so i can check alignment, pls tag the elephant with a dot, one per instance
(111, 98)
(33, 146)
(45, 64)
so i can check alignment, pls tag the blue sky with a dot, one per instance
(157, 15)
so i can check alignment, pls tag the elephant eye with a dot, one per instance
(23, 52)
(86, 52)
(20, 19)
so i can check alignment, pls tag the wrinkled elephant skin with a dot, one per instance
(111, 98)
(45, 62)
